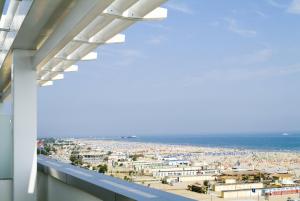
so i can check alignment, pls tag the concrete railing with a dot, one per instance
(6, 155)
(58, 181)
(5, 189)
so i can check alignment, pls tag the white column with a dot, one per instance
(24, 109)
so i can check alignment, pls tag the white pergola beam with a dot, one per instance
(72, 68)
(10, 24)
(119, 38)
(47, 83)
(157, 14)
(104, 28)
(88, 57)
(82, 13)
(59, 76)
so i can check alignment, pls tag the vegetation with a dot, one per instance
(198, 188)
(131, 172)
(42, 152)
(49, 140)
(136, 156)
(46, 150)
(245, 178)
(164, 181)
(102, 168)
(76, 159)
(127, 178)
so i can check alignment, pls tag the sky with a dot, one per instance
(213, 66)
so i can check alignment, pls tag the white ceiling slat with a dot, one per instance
(157, 14)
(90, 56)
(83, 26)
(120, 5)
(11, 23)
(143, 7)
(72, 68)
(104, 29)
(80, 15)
(59, 76)
(47, 83)
(119, 38)
(79, 57)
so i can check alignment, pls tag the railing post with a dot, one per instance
(24, 110)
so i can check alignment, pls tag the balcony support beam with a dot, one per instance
(24, 110)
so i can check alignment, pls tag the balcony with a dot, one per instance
(57, 181)
(40, 41)
(63, 182)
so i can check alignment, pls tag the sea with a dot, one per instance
(269, 142)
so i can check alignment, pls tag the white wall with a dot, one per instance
(5, 147)
(5, 190)
(58, 191)
(242, 194)
(227, 187)
(50, 189)
(197, 178)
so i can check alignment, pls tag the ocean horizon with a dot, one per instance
(269, 142)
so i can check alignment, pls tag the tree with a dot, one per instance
(245, 178)
(76, 159)
(42, 151)
(102, 168)
(164, 181)
(206, 183)
(47, 148)
(127, 178)
(136, 156)
(54, 149)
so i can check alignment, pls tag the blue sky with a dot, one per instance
(214, 66)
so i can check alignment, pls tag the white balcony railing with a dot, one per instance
(5, 158)
(63, 182)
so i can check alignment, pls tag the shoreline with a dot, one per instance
(232, 148)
